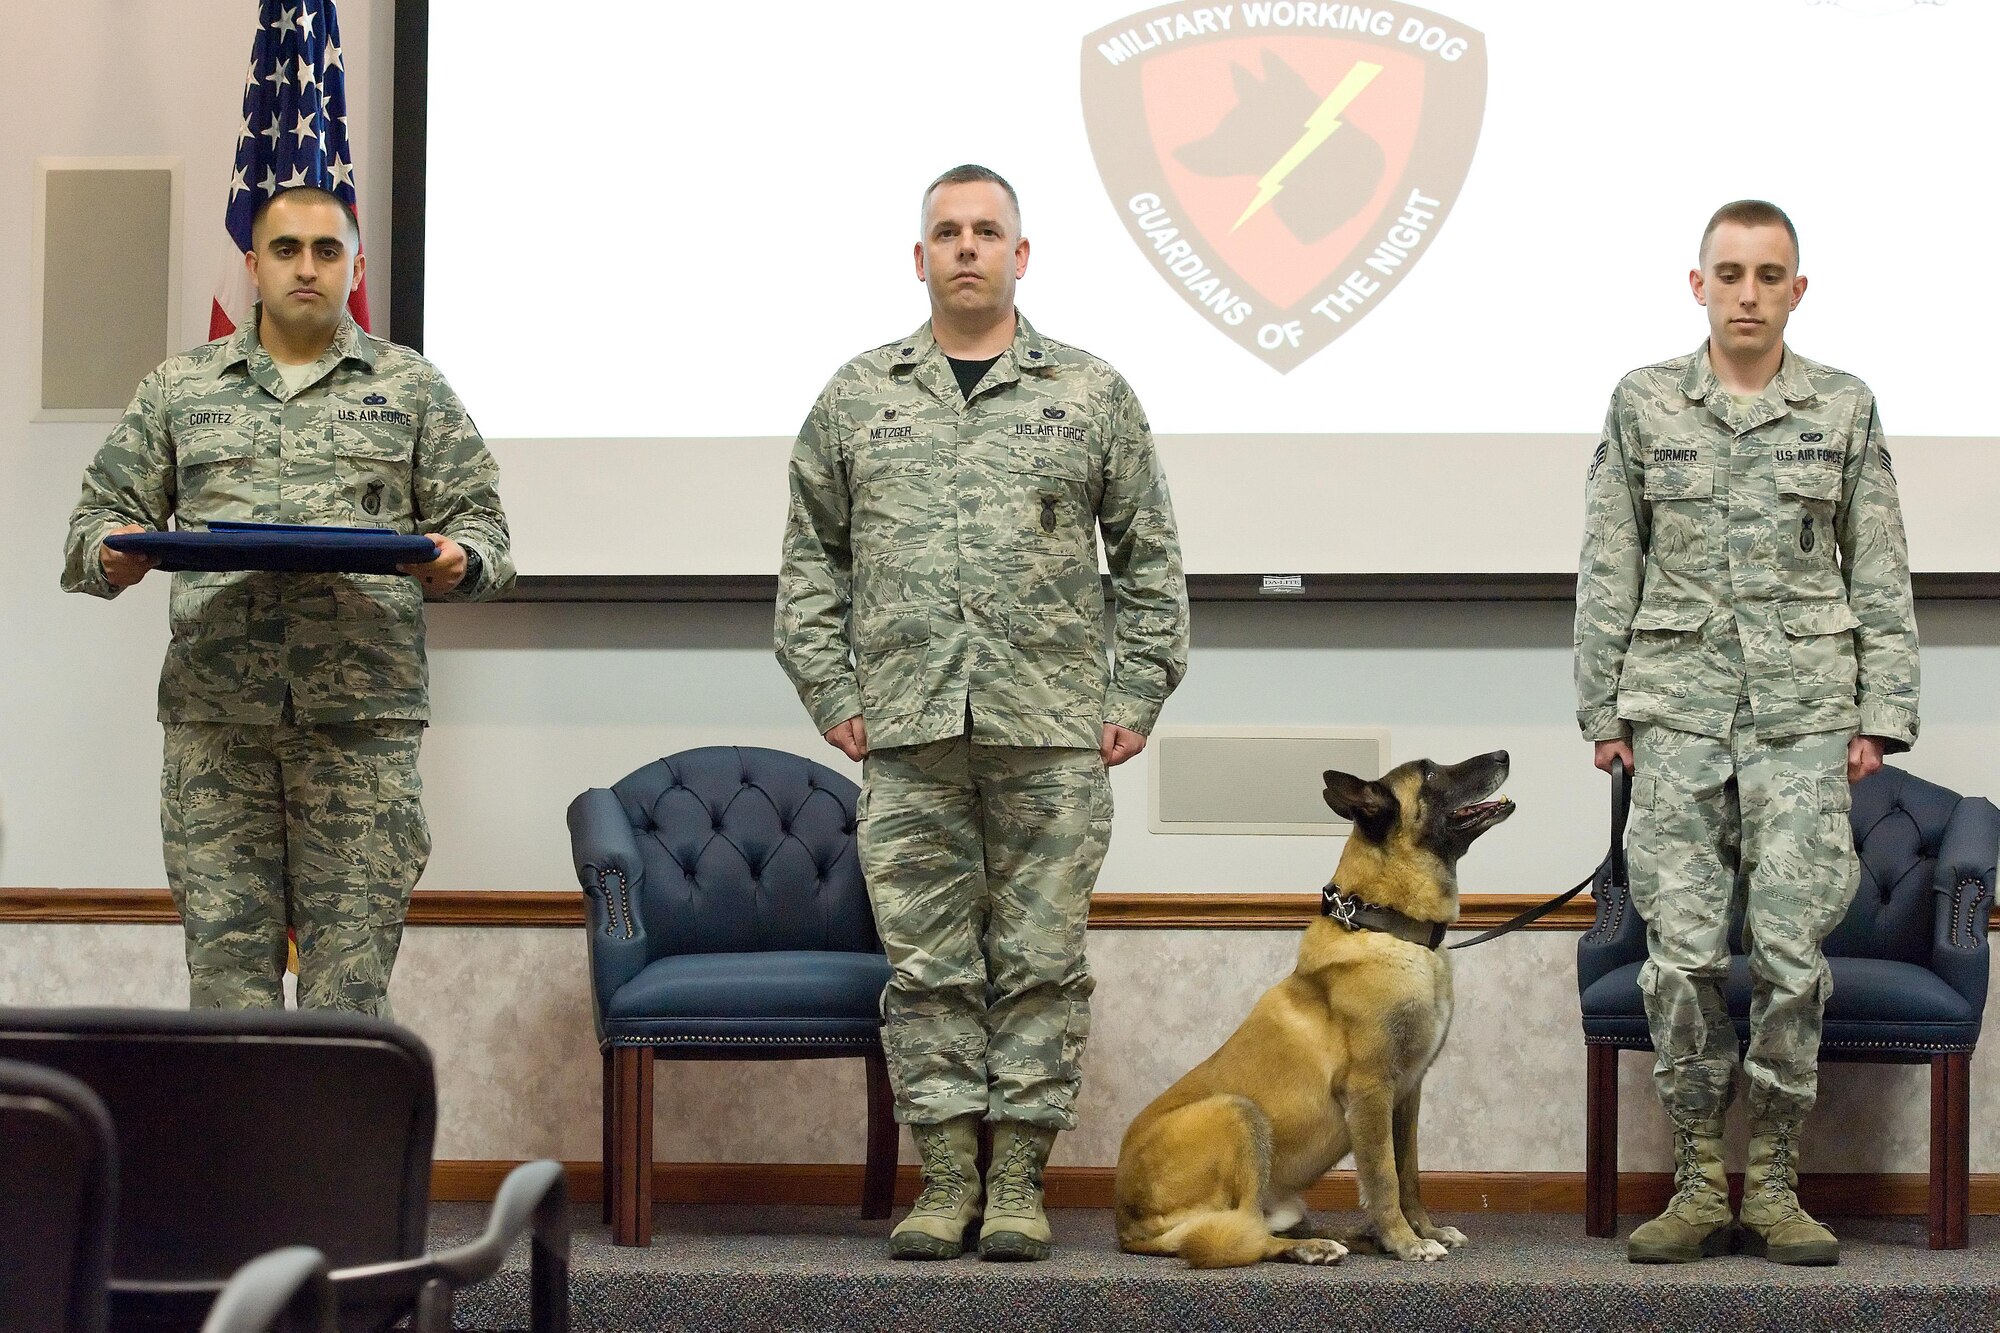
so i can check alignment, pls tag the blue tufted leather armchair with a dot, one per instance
(1909, 977)
(727, 920)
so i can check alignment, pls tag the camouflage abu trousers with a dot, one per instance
(1751, 823)
(315, 827)
(980, 861)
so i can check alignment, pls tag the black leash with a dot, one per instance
(1613, 865)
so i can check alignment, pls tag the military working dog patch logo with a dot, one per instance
(1284, 163)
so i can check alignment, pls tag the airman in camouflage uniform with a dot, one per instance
(294, 704)
(1744, 617)
(941, 612)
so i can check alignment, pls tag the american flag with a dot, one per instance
(294, 132)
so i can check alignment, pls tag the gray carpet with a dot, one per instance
(713, 1268)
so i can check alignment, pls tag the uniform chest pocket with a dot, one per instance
(894, 502)
(1048, 494)
(1687, 522)
(215, 476)
(372, 475)
(1809, 481)
(1807, 496)
(1680, 481)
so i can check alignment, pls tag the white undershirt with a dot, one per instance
(295, 377)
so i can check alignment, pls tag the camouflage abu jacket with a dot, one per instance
(940, 553)
(377, 439)
(1744, 551)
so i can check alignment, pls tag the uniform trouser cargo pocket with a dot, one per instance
(1760, 827)
(319, 830)
(1682, 862)
(980, 861)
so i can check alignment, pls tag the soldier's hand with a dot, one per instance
(850, 738)
(1864, 756)
(1609, 750)
(123, 568)
(1119, 744)
(441, 575)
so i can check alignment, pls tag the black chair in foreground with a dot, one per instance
(243, 1130)
(285, 1291)
(58, 1193)
(1909, 967)
(727, 920)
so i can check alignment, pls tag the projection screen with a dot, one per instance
(1372, 269)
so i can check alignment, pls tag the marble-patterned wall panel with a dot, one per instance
(140, 966)
(507, 1014)
(1164, 1001)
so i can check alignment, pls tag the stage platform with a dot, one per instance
(727, 1268)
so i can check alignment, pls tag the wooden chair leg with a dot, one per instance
(1951, 1149)
(878, 1180)
(607, 1142)
(1600, 1164)
(632, 1146)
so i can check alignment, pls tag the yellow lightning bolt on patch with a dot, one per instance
(1319, 128)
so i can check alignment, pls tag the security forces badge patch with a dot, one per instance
(1284, 163)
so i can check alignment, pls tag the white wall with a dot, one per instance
(535, 702)
(101, 78)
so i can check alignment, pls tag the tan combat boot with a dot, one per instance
(948, 1204)
(1773, 1223)
(1696, 1224)
(1015, 1226)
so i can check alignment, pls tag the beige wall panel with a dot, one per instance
(1250, 780)
(507, 1015)
(106, 282)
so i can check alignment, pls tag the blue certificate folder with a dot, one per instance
(288, 547)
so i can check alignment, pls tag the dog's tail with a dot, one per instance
(1226, 1240)
(1239, 1236)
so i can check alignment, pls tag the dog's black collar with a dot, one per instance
(1360, 914)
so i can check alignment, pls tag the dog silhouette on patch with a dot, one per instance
(1322, 193)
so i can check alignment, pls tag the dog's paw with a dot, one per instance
(1450, 1237)
(1316, 1252)
(1421, 1252)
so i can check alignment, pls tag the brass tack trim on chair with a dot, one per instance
(619, 913)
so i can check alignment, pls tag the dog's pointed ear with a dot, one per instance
(1244, 80)
(1371, 806)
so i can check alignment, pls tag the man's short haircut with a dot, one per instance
(1750, 213)
(311, 194)
(968, 174)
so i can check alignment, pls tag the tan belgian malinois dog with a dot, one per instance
(1332, 1058)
